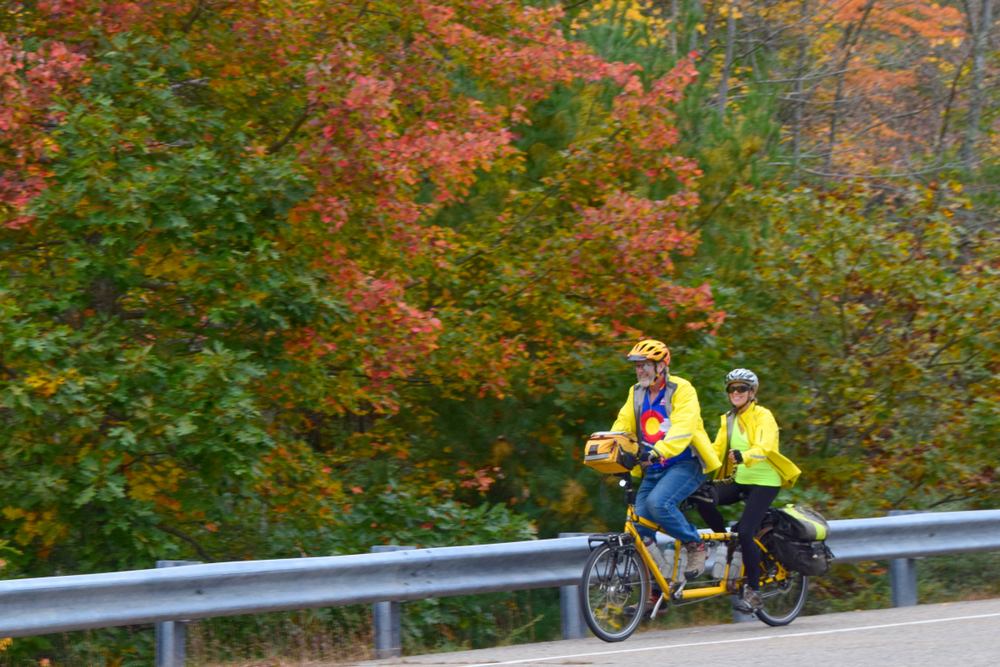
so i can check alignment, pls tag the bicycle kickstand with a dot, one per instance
(656, 607)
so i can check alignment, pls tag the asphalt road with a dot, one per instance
(964, 634)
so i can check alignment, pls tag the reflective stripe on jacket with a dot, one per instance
(762, 433)
(686, 426)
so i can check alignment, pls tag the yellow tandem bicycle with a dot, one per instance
(620, 573)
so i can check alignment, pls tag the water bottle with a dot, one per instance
(657, 555)
(719, 561)
(736, 566)
(668, 558)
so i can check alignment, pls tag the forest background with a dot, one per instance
(290, 278)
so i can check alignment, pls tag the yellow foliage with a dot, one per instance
(42, 526)
(502, 449)
(640, 17)
(147, 481)
(174, 266)
(573, 501)
(44, 383)
(725, 10)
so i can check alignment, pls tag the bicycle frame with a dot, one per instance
(633, 520)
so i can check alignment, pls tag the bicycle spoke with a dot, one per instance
(613, 592)
(783, 599)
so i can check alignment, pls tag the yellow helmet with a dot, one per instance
(649, 350)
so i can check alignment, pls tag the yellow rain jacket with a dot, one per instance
(686, 426)
(762, 432)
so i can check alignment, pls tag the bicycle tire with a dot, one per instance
(614, 591)
(783, 600)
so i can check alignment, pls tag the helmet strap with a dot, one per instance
(661, 376)
(750, 401)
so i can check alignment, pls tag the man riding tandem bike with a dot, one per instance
(658, 444)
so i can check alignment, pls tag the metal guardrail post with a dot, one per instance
(573, 625)
(387, 618)
(903, 580)
(171, 636)
(903, 575)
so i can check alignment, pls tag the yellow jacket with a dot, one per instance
(686, 426)
(762, 433)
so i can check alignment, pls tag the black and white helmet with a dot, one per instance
(742, 375)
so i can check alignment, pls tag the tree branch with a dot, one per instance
(281, 143)
(193, 16)
(170, 530)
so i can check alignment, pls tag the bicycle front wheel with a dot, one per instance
(783, 600)
(614, 591)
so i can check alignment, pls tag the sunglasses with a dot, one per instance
(737, 389)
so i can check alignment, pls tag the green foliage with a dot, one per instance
(305, 279)
(863, 316)
(128, 647)
(130, 402)
(405, 519)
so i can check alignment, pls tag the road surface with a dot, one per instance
(963, 634)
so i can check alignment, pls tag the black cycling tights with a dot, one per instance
(758, 499)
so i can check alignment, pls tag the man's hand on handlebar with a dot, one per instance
(648, 456)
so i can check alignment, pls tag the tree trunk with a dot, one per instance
(980, 23)
(852, 35)
(727, 67)
(699, 14)
(798, 110)
(675, 15)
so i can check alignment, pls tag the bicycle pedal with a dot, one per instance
(677, 590)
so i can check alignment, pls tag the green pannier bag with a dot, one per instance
(801, 522)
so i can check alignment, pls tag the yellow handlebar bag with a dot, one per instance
(611, 451)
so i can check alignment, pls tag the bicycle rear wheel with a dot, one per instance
(614, 591)
(783, 600)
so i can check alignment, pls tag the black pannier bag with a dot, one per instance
(796, 535)
(809, 558)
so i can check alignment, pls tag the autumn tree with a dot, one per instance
(864, 315)
(262, 239)
(287, 278)
(871, 88)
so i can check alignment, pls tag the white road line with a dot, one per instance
(736, 641)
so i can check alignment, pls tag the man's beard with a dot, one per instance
(646, 382)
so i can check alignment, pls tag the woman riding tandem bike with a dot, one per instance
(753, 470)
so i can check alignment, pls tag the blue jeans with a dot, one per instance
(662, 491)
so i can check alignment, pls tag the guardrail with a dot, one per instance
(58, 604)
